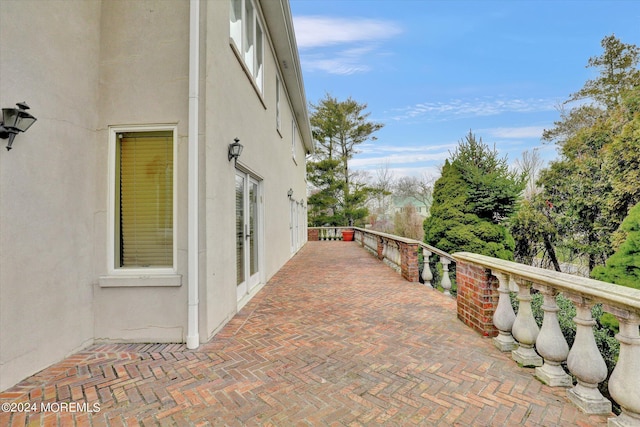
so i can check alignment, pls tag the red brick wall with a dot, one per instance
(477, 297)
(313, 235)
(409, 257)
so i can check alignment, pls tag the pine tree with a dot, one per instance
(468, 208)
(338, 128)
(623, 267)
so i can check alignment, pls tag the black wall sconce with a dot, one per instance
(235, 150)
(14, 121)
(290, 193)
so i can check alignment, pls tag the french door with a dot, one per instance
(248, 233)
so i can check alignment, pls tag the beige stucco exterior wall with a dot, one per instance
(234, 108)
(144, 78)
(49, 58)
(93, 65)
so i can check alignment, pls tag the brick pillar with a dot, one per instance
(477, 297)
(313, 234)
(409, 257)
(380, 248)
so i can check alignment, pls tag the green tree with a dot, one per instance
(618, 73)
(589, 189)
(623, 267)
(338, 127)
(474, 194)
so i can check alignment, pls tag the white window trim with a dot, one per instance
(278, 102)
(256, 80)
(294, 136)
(118, 277)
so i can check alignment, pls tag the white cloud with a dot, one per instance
(348, 61)
(370, 148)
(340, 45)
(395, 159)
(514, 132)
(321, 31)
(477, 107)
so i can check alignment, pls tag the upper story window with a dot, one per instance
(294, 137)
(247, 35)
(278, 121)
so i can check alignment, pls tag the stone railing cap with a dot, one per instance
(608, 293)
(406, 240)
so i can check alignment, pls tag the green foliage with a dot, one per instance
(589, 190)
(623, 267)
(618, 73)
(531, 228)
(474, 193)
(338, 127)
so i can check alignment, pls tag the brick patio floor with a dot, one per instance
(335, 338)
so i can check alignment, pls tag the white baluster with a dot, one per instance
(525, 329)
(504, 316)
(551, 344)
(427, 276)
(397, 254)
(385, 249)
(624, 383)
(446, 281)
(586, 362)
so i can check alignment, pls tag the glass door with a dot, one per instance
(248, 232)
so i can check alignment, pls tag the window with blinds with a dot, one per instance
(144, 199)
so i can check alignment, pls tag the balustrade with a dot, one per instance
(583, 360)
(399, 253)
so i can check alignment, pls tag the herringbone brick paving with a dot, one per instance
(335, 338)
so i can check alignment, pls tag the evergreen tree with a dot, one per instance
(623, 267)
(338, 127)
(587, 192)
(473, 195)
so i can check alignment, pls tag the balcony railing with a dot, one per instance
(397, 252)
(483, 303)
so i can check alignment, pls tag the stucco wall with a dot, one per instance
(92, 65)
(144, 76)
(234, 109)
(48, 58)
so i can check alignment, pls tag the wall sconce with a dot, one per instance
(14, 121)
(235, 150)
(290, 193)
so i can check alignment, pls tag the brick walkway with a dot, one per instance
(335, 338)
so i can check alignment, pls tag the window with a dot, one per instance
(247, 36)
(142, 199)
(294, 134)
(278, 103)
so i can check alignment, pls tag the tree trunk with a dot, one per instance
(552, 253)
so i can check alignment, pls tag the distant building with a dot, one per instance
(400, 204)
(122, 217)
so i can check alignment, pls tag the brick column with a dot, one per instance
(313, 235)
(380, 248)
(477, 297)
(409, 257)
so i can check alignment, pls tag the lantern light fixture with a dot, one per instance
(14, 121)
(235, 150)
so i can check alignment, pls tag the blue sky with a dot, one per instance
(433, 70)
